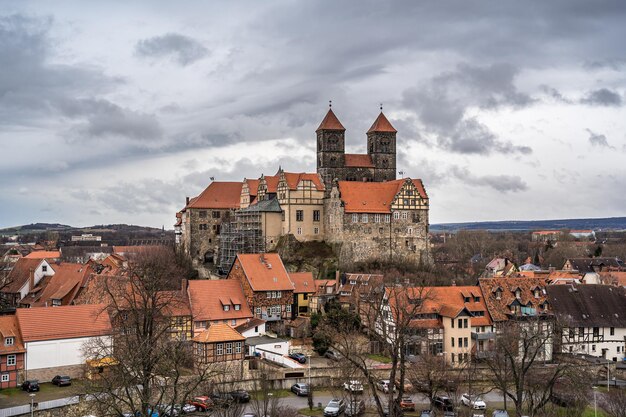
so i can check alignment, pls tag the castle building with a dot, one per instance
(353, 201)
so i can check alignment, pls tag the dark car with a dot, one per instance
(300, 357)
(331, 355)
(240, 395)
(30, 386)
(300, 389)
(443, 403)
(222, 399)
(62, 380)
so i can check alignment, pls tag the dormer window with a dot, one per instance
(352, 282)
(536, 293)
(9, 341)
(44, 268)
(477, 299)
(466, 299)
(226, 307)
(498, 295)
(237, 307)
(56, 303)
(518, 294)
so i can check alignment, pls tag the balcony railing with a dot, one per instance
(484, 336)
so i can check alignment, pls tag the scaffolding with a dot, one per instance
(242, 234)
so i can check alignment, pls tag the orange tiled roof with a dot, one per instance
(265, 272)
(381, 124)
(330, 122)
(446, 301)
(64, 284)
(359, 160)
(20, 274)
(207, 296)
(218, 195)
(177, 303)
(218, 332)
(293, 179)
(253, 186)
(253, 322)
(65, 322)
(44, 254)
(272, 183)
(303, 282)
(613, 278)
(500, 309)
(9, 328)
(373, 197)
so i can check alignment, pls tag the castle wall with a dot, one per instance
(204, 229)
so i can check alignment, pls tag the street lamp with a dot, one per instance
(595, 402)
(32, 403)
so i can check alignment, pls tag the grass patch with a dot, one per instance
(10, 392)
(379, 358)
(314, 412)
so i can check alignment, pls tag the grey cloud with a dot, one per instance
(555, 94)
(182, 49)
(598, 140)
(443, 105)
(502, 183)
(602, 97)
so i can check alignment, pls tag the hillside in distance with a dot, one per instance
(609, 223)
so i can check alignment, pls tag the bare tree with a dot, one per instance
(152, 363)
(614, 402)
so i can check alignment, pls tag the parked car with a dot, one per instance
(62, 381)
(427, 413)
(331, 355)
(301, 390)
(383, 385)
(500, 413)
(31, 385)
(407, 404)
(222, 399)
(334, 408)
(353, 386)
(240, 395)
(300, 357)
(385, 410)
(202, 403)
(443, 403)
(355, 408)
(476, 403)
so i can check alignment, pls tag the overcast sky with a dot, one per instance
(113, 112)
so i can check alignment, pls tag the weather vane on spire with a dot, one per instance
(330, 104)
(381, 106)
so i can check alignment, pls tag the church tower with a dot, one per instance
(381, 147)
(331, 145)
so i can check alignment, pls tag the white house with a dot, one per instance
(252, 328)
(55, 337)
(594, 319)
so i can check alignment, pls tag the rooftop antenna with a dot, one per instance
(401, 174)
(212, 178)
(330, 104)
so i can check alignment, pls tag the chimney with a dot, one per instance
(186, 201)
(337, 278)
(551, 269)
(453, 283)
(183, 285)
(31, 280)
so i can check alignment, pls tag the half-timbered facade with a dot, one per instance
(219, 343)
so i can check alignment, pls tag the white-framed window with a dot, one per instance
(219, 349)
(56, 303)
(364, 218)
(238, 347)
(258, 310)
(376, 218)
(387, 218)
(237, 307)
(9, 341)
(44, 268)
(288, 308)
(355, 218)
(11, 360)
(5, 377)
(269, 294)
(233, 322)
(316, 230)
(226, 308)
(396, 215)
(299, 231)
(405, 215)
(229, 348)
(279, 294)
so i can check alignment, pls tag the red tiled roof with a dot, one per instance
(64, 284)
(373, 197)
(293, 179)
(65, 322)
(330, 122)
(359, 160)
(253, 322)
(219, 332)
(218, 195)
(265, 272)
(44, 254)
(500, 309)
(272, 183)
(205, 296)
(20, 274)
(9, 328)
(381, 124)
(177, 303)
(303, 282)
(253, 186)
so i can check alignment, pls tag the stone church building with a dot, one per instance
(353, 201)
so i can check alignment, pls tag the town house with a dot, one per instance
(12, 353)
